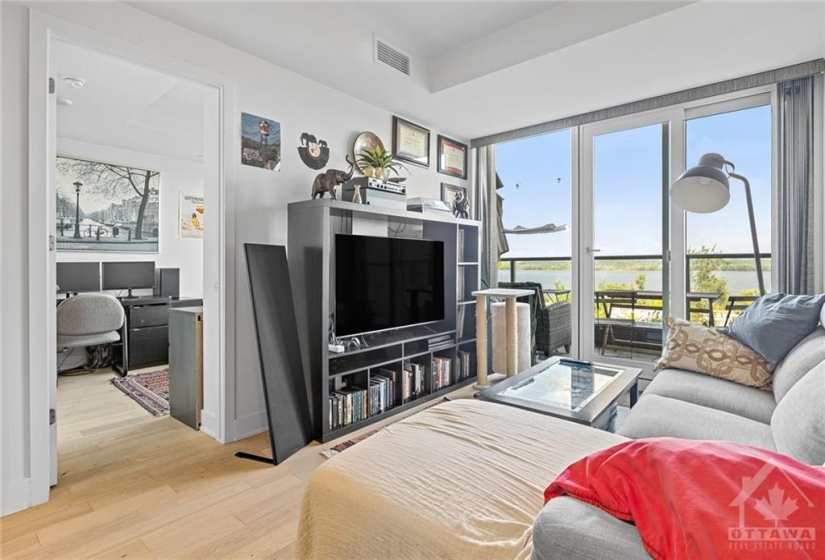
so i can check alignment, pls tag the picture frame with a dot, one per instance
(410, 142)
(452, 157)
(106, 207)
(455, 197)
(191, 215)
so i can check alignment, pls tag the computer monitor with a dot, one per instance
(128, 275)
(75, 277)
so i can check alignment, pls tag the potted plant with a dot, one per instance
(378, 163)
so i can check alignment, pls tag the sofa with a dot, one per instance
(790, 419)
(465, 479)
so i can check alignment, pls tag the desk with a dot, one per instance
(144, 337)
(511, 329)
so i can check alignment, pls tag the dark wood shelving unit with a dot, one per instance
(313, 225)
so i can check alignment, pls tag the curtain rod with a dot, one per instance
(669, 99)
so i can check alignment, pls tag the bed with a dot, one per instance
(462, 479)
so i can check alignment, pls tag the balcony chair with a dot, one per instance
(88, 320)
(551, 324)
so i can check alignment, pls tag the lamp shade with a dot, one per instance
(702, 189)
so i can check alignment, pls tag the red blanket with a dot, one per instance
(704, 499)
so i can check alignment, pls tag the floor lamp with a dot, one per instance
(705, 188)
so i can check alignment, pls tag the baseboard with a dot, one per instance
(209, 425)
(250, 425)
(16, 496)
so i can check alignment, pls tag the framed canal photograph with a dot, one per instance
(106, 207)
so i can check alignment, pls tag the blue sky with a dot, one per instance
(249, 128)
(628, 186)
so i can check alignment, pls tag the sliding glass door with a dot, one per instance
(625, 172)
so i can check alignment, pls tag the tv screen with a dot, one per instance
(74, 277)
(128, 275)
(387, 282)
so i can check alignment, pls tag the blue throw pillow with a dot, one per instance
(775, 323)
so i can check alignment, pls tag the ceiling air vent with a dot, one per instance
(387, 54)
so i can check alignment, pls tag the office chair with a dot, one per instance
(88, 320)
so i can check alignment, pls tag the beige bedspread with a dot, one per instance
(464, 479)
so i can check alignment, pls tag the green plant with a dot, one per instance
(378, 158)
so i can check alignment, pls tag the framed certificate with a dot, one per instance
(452, 157)
(410, 142)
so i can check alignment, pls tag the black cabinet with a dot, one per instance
(145, 334)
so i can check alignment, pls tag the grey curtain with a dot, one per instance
(793, 270)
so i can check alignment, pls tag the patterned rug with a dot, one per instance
(344, 445)
(150, 390)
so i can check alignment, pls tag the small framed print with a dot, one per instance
(456, 198)
(452, 157)
(410, 142)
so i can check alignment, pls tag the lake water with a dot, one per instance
(738, 281)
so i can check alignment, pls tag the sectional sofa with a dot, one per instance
(466, 478)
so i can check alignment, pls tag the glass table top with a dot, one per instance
(565, 384)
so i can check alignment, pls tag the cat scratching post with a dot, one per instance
(511, 330)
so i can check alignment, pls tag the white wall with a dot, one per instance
(258, 197)
(176, 176)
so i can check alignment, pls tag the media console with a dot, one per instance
(392, 370)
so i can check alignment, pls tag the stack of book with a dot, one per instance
(463, 370)
(442, 372)
(347, 406)
(382, 391)
(412, 382)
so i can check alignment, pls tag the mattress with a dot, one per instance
(462, 479)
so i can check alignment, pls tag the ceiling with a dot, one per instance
(453, 44)
(479, 68)
(127, 106)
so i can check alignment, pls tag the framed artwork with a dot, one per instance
(191, 216)
(452, 157)
(260, 142)
(410, 142)
(456, 198)
(106, 207)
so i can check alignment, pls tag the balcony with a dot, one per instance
(627, 304)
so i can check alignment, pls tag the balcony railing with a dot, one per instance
(728, 274)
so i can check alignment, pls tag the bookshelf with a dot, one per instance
(399, 368)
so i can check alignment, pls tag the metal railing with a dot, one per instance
(690, 258)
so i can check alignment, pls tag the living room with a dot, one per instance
(485, 77)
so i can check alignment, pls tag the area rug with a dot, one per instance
(344, 445)
(150, 390)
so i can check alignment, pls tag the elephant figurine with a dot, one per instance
(327, 181)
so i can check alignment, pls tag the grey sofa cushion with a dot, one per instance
(798, 362)
(798, 422)
(714, 392)
(568, 529)
(775, 323)
(657, 416)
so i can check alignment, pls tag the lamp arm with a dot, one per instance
(756, 255)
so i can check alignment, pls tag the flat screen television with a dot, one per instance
(76, 277)
(128, 275)
(387, 282)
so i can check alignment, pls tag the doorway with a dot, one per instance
(45, 33)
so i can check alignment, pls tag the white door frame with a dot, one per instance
(218, 253)
(587, 283)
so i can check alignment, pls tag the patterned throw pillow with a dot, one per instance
(705, 350)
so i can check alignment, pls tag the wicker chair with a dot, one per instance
(551, 324)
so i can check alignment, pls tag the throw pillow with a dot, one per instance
(702, 349)
(775, 323)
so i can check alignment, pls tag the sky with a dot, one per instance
(536, 173)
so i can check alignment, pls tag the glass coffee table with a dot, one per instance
(569, 389)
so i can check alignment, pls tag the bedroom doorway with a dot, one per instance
(47, 33)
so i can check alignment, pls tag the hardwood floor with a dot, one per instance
(135, 486)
